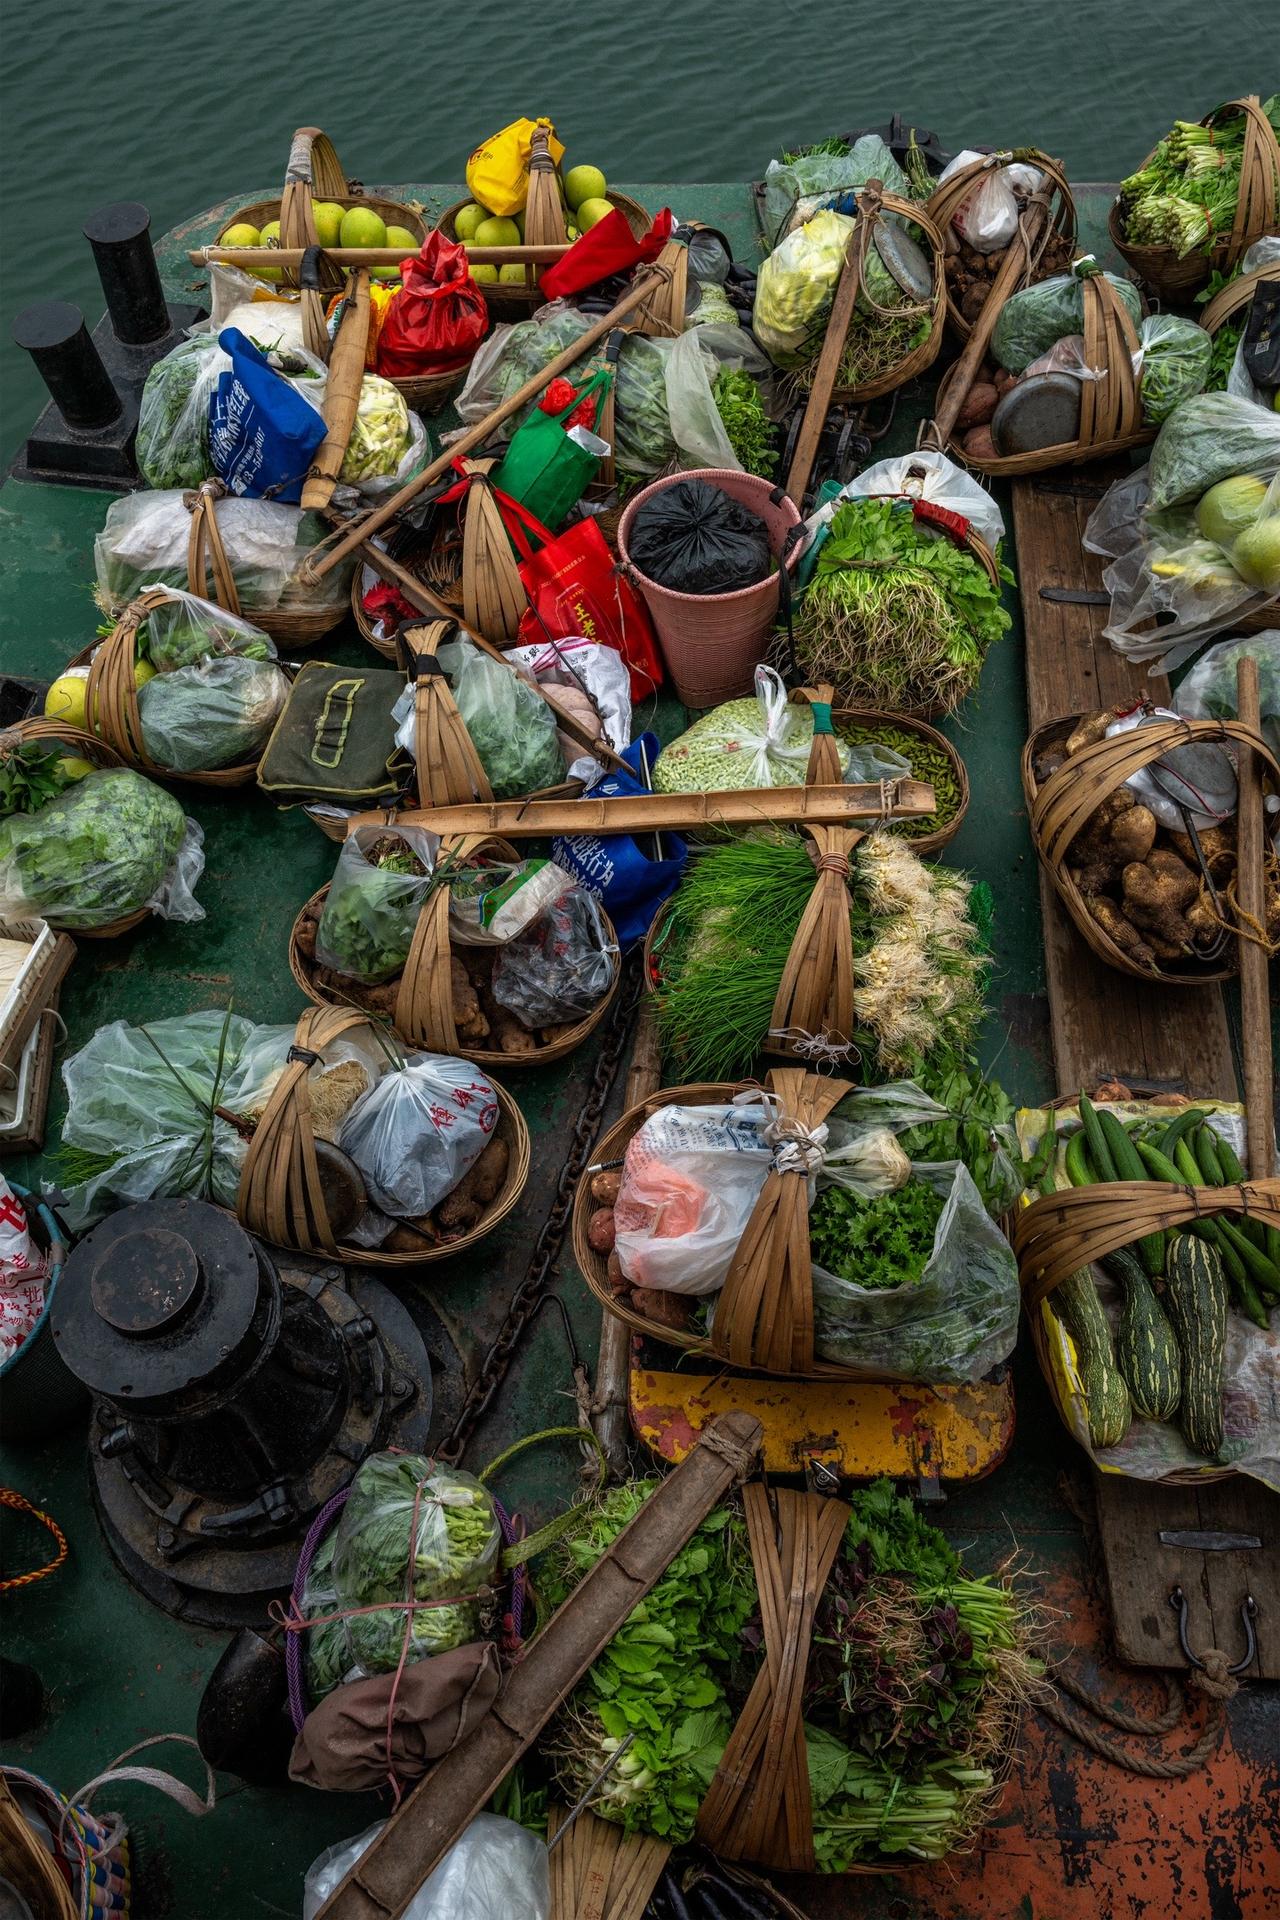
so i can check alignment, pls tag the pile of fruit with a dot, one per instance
(585, 195)
(336, 226)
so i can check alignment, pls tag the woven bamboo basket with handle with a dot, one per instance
(424, 1009)
(511, 300)
(111, 698)
(281, 1194)
(1062, 1233)
(81, 746)
(875, 206)
(1176, 280)
(947, 199)
(1110, 407)
(209, 574)
(1060, 807)
(764, 1315)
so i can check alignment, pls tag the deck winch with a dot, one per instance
(231, 1398)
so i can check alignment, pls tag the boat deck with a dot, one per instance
(1075, 1837)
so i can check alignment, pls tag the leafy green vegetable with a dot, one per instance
(896, 1538)
(978, 1130)
(94, 853)
(742, 414)
(218, 713)
(883, 1242)
(325, 1650)
(512, 728)
(173, 421)
(371, 910)
(1176, 355)
(1222, 358)
(1210, 438)
(1186, 194)
(643, 440)
(1036, 318)
(32, 774)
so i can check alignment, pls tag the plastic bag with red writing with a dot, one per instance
(438, 318)
(575, 586)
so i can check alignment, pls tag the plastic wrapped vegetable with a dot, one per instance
(512, 728)
(412, 1530)
(380, 435)
(796, 285)
(494, 1871)
(185, 630)
(561, 967)
(1209, 690)
(512, 355)
(1213, 437)
(325, 1651)
(1034, 319)
(1173, 356)
(217, 691)
(173, 419)
(418, 1131)
(112, 843)
(145, 537)
(379, 887)
(987, 217)
(763, 741)
(643, 440)
(795, 190)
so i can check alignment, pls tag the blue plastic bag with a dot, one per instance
(262, 432)
(622, 872)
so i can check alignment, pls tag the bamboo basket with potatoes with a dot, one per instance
(287, 1186)
(1174, 279)
(435, 1002)
(1052, 236)
(1143, 908)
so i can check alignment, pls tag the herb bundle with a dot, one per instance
(1185, 195)
(33, 772)
(744, 420)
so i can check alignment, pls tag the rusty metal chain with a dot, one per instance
(532, 1290)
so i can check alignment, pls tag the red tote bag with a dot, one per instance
(576, 586)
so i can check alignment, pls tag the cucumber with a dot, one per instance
(1128, 1164)
(1076, 1160)
(1170, 1135)
(1196, 1293)
(1099, 1151)
(1206, 1151)
(1145, 1345)
(1233, 1175)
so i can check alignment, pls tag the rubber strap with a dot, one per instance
(821, 710)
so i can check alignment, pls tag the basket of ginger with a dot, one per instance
(1154, 899)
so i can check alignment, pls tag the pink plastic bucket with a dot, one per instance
(713, 642)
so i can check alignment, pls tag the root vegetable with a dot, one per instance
(412, 1236)
(613, 1273)
(1133, 834)
(1218, 844)
(974, 299)
(1155, 891)
(1004, 380)
(1088, 730)
(1121, 930)
(666, 1309)
(605, 1187)
(601, 1230)
(980, 404)
(477, 1190)
(978, 444)
(306, 938)
(1202, 920)
(468, 1015)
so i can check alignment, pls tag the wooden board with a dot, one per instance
(1143, 1569)
(1102, 1022)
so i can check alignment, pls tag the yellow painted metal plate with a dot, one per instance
(859, 1430)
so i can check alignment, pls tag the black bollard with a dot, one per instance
(54, 334)
(120, 235)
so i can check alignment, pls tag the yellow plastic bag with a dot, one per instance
(498, 170)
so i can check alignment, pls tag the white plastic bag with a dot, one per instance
(587, 679)
(145, 537)
(495, 1871)
(270, 316)
(923, 475)
(418, 1131)
(987, 217)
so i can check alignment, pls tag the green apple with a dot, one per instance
(592, 211)
(583, 183)
(467, 219)
(1256, 554)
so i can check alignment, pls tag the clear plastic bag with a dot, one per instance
(413, 1529)
(371, 911)
(586, 679)
(692, 364)
(1034, 318)
(105, 847)
(512, 355)
(145, 537)
(270, 317)
(923, 475)
(1213, 437)
(795, 190)
(763, 741)
(796, 285)
(217, 714)
(561, 967)
(1173, 360)
(173, 418)
(512, 728)
(643, 439)
(493, 901)
(186, 630)
(1263, 253)
(495, 1871)
(1209, 690)
(987, 217)
(383, 443)
(419, 1131)
(325, 1649)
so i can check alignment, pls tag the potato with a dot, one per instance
(980, 404)
(1004, 380)
(974, 299)
(306, 938)
(601, 1230)
(666, 1309)
(606, 1186)
(978, 444)
(613, 1273)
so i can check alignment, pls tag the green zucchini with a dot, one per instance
(1128, 1165)
(1076, 1302)
(1158, 1165)
(1233, 1175)
(1196, 1291)
(1146, 1350)
(1239, 1254)
(1076, 1161)
(1205, 1142)
(1099, 1151)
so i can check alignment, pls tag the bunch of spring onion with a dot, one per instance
(1185, 196)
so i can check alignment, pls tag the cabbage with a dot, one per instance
(380, 435)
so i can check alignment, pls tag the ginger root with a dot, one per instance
(306, 936)
(1122, 931)
(1088, 730)
(1218, 845)
(1156, 892)
(468, 1014)
(476, 1192)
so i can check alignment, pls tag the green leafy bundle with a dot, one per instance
(883, 1242)
(977, 1129)
(94, 853)
(1185, 195)
(743, 417)
(371, 910)
(32, 774)
(173, 420)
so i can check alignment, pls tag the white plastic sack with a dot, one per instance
(418, 1131)
(987, 217)
(269, 316)
(145, 536)
(923, 475)
(761, 741)
(495, 1871)
(588, 679)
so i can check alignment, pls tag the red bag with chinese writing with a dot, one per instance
(575, 585)
(607, 248)
(438, 318)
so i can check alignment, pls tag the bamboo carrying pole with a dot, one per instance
(937, 432)
(1255, 1006)
(288, 258)
(342, 392)
(363, 529)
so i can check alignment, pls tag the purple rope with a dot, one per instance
(293, 1641)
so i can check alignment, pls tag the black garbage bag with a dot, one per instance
(693, 538)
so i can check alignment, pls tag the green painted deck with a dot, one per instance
(1073, 1838)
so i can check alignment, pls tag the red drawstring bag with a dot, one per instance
(575, 586)
(438, 318)
(607, 248)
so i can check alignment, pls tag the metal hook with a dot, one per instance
(1248, 1614)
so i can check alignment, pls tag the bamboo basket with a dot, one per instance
(209, 575)
(1061, 807)
(85, 746)
(872, 207)
(424, 1004)
(1175, 281)
(764, 1314)
(111, 699)
(315, 173)
(430, 392)
(1230, 299)
(281, 1197)
(1059, 1233)
(508, 300)
(946, 200)
(1110, 408)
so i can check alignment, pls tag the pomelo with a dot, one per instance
(591, 212)
(241, 235)
(1228, 509)
(512, 275)
(142, 672)
(494, 232)
(583, 183)
(65, 699)
(1256, 554)
(327, 215)
(467, 219)
(362, 227)
(485, 274)
(269, 237)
